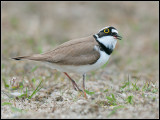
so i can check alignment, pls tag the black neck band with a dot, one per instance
(107, 50)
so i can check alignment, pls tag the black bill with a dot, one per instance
(118, 37)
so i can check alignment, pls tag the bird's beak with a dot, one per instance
(118, 37)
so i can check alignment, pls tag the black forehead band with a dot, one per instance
(110, 28)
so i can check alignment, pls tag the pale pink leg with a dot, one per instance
(75, 86)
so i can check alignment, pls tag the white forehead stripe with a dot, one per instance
(113, 30)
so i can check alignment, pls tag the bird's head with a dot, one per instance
(109, 32)
(107, 37)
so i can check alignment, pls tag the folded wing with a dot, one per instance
(74, 52)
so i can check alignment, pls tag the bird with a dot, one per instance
(80, 55)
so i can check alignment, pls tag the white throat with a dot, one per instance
(107, 41)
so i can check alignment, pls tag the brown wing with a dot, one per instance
(74, 52)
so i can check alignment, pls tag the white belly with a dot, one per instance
(83, 68)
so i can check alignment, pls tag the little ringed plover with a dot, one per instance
(80, 55)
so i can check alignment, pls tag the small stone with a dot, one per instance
(59, 98)
(123, 95)
(93, 108)
(82, 102)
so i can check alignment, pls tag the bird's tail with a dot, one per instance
(36, 57)
(20, 58)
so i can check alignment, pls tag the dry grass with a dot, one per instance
(127, 87)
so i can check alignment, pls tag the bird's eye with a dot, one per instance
(106, 30)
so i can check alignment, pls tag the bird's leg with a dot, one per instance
(84, 76)
(75, 86)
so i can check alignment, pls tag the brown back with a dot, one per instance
(74, 52)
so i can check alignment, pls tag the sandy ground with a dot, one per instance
(128, 87)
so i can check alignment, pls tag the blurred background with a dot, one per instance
(33, 27)
(36, 27)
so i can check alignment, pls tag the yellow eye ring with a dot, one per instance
(106, 31)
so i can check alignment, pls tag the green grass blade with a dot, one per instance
(89, 93)
(115, 109)
(34, 69)
(36, 90)
(6, 103)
